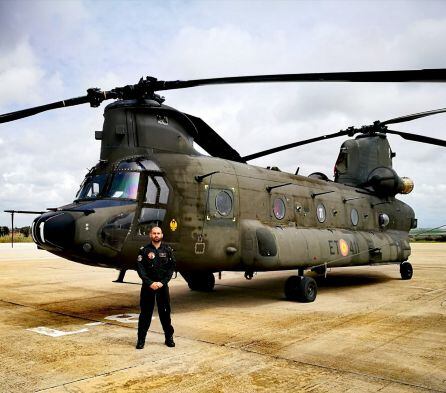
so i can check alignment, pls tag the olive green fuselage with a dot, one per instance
(253, 235)
(217, 214)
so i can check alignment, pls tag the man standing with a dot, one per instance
(155, 266)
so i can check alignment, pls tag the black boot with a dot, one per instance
(169, 341)
(140, 343)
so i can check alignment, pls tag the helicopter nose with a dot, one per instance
(54, 229)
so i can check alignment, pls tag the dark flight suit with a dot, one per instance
(155, 265)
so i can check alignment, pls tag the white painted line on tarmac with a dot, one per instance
(124, 318)
(54, 332)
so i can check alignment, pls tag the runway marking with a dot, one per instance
(55, 332)
(94, 323)
(124, 318)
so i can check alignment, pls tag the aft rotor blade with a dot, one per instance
(295, 144)
(414, 116)
(418, 138)
(212, 142)
(424, 75)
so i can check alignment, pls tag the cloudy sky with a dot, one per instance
(52, 50)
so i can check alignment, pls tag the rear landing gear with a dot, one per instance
(406, 271)
(300, 288)
(200, 281)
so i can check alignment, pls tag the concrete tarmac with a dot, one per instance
(66, 327)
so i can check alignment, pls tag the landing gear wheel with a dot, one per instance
(406, 271)
(200, 281)
(302, 289)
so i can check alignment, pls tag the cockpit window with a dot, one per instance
(164, 190)
(130, 166)
(138, 165)
(150, 165)
(124, 182)
(124, 185)
(152, 192)
(92, 186)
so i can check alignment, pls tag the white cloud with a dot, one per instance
(55, 50)
(19, 75)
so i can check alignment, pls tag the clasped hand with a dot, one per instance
(156, 285)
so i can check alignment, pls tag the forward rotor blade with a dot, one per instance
(418, 138)
(42, 108)
(414, 116)
(212, 142)
(94, 98)
(424, 75)
(295, 144)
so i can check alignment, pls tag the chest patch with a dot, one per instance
(162, 255)
(151, 255)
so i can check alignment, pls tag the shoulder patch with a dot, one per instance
(139, 258)
(141, 248)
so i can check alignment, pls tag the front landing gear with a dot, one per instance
(406, 271)
(121, 275)
(200, 281)
(300, 288)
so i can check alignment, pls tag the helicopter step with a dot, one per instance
(199, 281)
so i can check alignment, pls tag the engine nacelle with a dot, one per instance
(386, 182)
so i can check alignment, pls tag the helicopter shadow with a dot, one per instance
(350, 279)
(265, 290)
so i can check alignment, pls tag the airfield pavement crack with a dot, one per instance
(104, 374)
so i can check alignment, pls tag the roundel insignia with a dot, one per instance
(151, 255)
(139, 258)
(173, 225)
(343, 247)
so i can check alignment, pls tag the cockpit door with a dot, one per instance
(152, 205)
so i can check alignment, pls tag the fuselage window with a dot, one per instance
(383, 220)
(124, 185)
(152, 191)
(164, 190)
(279, 208)
(223, 203)
(354, 216)
(320, 212)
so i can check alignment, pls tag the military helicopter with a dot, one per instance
(220, 213)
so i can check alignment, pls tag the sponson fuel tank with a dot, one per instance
(272, 248)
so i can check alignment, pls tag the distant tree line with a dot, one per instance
(25, 231)
(428, 238)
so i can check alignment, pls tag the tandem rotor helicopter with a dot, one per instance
(220, 213)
